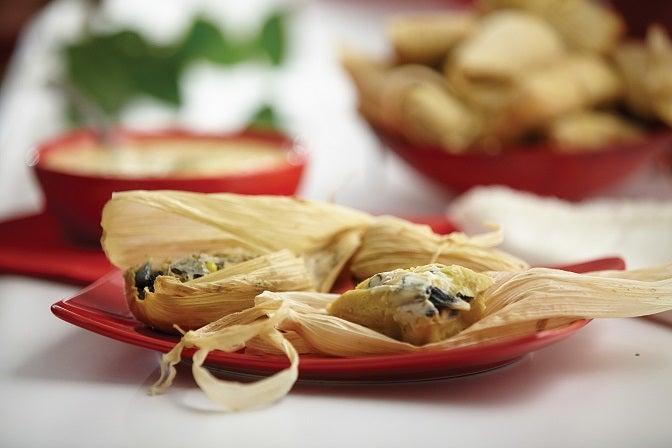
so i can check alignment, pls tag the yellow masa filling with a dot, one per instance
(407, 304)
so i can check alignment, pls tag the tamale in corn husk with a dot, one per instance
(585, 25)
(419, 305)
(576, 82)
(142, 225)
(420, 103)
(659, 77)
(517, 304)
(646, 69)
(486, 67)
(426, 38)
(588, 130)
(171, 304)
(368, 76)
(413, 100)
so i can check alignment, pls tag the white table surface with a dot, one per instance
(608, 385)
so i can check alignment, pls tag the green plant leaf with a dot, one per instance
(272, 39)
(111, 69)
(265, 117)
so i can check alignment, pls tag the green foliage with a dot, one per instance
(113, 68)
(265, 118)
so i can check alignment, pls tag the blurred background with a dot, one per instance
(215, 66)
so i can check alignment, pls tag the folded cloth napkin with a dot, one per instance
(547, 231)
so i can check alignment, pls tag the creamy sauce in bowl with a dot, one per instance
(166, 158)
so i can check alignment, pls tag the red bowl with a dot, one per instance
(76, 200)
(540, 168)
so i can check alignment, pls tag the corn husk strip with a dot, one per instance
(232, 395)
(538, 297)
(260, 347)
(326, 264)
(138, 225)
(197, 302)
(392, 243)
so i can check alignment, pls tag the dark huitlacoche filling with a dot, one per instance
(184, 269)
(443, 300)
(144, 278)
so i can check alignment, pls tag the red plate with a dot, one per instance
(101, 308)
(33, 245)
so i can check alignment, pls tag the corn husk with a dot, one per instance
(142, 225)
(393, 243)
(195, 303)
(518, 304)
(230, 334)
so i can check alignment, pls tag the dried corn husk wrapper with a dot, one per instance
(393, 243)
(289, 245)
(142, 225)
(518, 304)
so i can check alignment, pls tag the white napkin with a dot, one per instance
(550, 231)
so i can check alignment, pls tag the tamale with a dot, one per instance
(577, 82)
(170, 303)
(505, 46)
(585, 25)
(517, 304)
(424, 107)
(419, 305)
(659, 77)
(588, 130)
(159, 225)
(368, 78)
(426, 38)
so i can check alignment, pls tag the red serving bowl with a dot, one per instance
(76, 199)
(540, 168)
